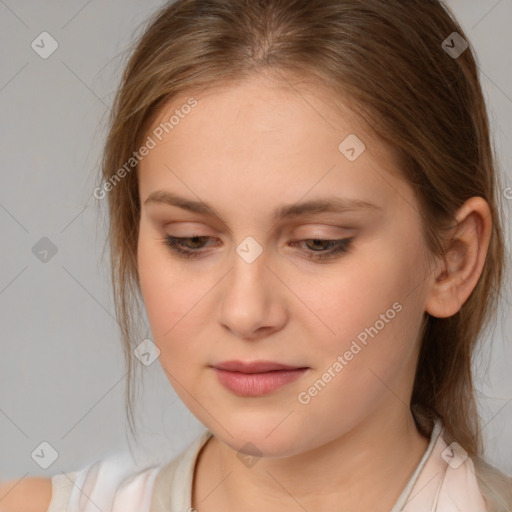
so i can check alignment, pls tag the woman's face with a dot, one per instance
(264, 286)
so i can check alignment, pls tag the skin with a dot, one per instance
(247, 148)
(30, 494)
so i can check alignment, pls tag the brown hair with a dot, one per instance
(387, 57)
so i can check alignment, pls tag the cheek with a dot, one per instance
(369, 312)
(169, 295)
(351, 296)
(374, 319)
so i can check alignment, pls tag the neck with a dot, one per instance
(380, 455)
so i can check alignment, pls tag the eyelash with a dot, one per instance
(340, 247)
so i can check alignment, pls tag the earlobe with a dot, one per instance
(457, 274)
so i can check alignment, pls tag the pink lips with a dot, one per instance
(256, 378)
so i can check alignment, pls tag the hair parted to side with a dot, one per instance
(386, 56)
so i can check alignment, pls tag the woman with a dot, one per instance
(304, 194)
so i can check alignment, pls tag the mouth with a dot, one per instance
(254, 366)
(256, 378)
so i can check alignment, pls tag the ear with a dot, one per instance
(454, 280)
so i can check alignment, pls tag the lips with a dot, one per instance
(256, 378)
(254, 367)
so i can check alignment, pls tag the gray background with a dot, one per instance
(61, 366)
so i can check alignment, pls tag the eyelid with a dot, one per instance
(323, 221)
(321, 230)
(339, 247)
(309, 230)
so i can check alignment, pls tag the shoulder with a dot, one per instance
(26, 495)
(495, 486)
(115, 480)
(37, 494)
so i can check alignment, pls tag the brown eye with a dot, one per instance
(176, 244)
(191, 247)
(334, 248)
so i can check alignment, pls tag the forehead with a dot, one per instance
(261, 102)
(264, 139)
(271, 103)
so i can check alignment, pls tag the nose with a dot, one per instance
(252, 304)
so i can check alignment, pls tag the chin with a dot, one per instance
(259, 437)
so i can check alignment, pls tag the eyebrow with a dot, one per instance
(331, 204)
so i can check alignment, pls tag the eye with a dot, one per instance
(176, 245)
(181, 247)
(336, 247)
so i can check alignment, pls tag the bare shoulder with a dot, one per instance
(27, 495)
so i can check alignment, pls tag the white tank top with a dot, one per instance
(442, 482)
